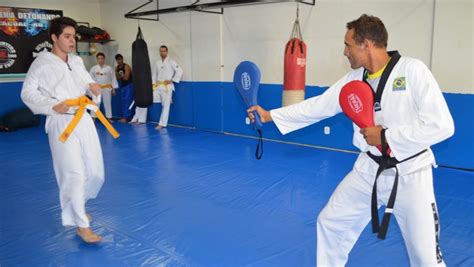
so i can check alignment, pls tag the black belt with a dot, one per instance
(385, 162)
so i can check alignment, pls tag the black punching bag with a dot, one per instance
(141, 71)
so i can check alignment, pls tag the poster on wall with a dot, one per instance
(23, 34)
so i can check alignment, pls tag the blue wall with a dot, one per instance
(216, 106)
(10, 97)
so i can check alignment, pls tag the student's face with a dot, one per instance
(163, 53)
(355, 53)
(66, 41)
(101, 60)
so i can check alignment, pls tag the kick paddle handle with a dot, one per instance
(258, 122)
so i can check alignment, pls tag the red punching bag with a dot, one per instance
(295, 67)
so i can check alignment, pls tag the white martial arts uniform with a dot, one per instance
(164, 70)
(105, 75)
(78, 162)
(416, 116)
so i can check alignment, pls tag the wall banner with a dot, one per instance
(23, 34)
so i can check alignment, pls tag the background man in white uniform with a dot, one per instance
(410, 116)
(104, 75)
(52, 80)
(166, 72)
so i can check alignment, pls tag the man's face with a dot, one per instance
(119, 61)
(66, 41)
(355, 53)
(163, 53)
(100, 60)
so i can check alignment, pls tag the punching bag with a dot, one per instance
(295, 67)
(141, 70)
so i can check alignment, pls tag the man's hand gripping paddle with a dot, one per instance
(247, 80)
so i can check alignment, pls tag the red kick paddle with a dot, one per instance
(357, 102)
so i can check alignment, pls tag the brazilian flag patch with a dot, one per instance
(399, 84)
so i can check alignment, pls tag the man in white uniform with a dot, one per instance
(104, 75)
(165, 72)
(53, 80)
(410, 116)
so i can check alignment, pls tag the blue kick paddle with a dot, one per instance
(247, 80)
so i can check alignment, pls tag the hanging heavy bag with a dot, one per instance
(141, 70)
(295, 67)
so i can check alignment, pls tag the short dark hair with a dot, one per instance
(118, 56)
(100, 54)
(57, 25)
(370, 28)
(165, 47)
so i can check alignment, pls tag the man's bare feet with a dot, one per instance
(87, 235)
(159, 127)
(123, 120)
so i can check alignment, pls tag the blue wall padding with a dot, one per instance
(10, 97)
(216, 106)
(207, 106)
(458, 150)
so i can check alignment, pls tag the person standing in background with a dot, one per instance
(164, 74)
(123, 73)
(104, 75)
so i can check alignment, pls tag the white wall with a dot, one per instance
(202, 42)
(206, 46)
(453, 56)
(263, 35)
(172, 30)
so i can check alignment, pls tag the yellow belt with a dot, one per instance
(104, 86)
(160, 83)
(82, 103)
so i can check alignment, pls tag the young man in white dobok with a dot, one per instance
(54, 81)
